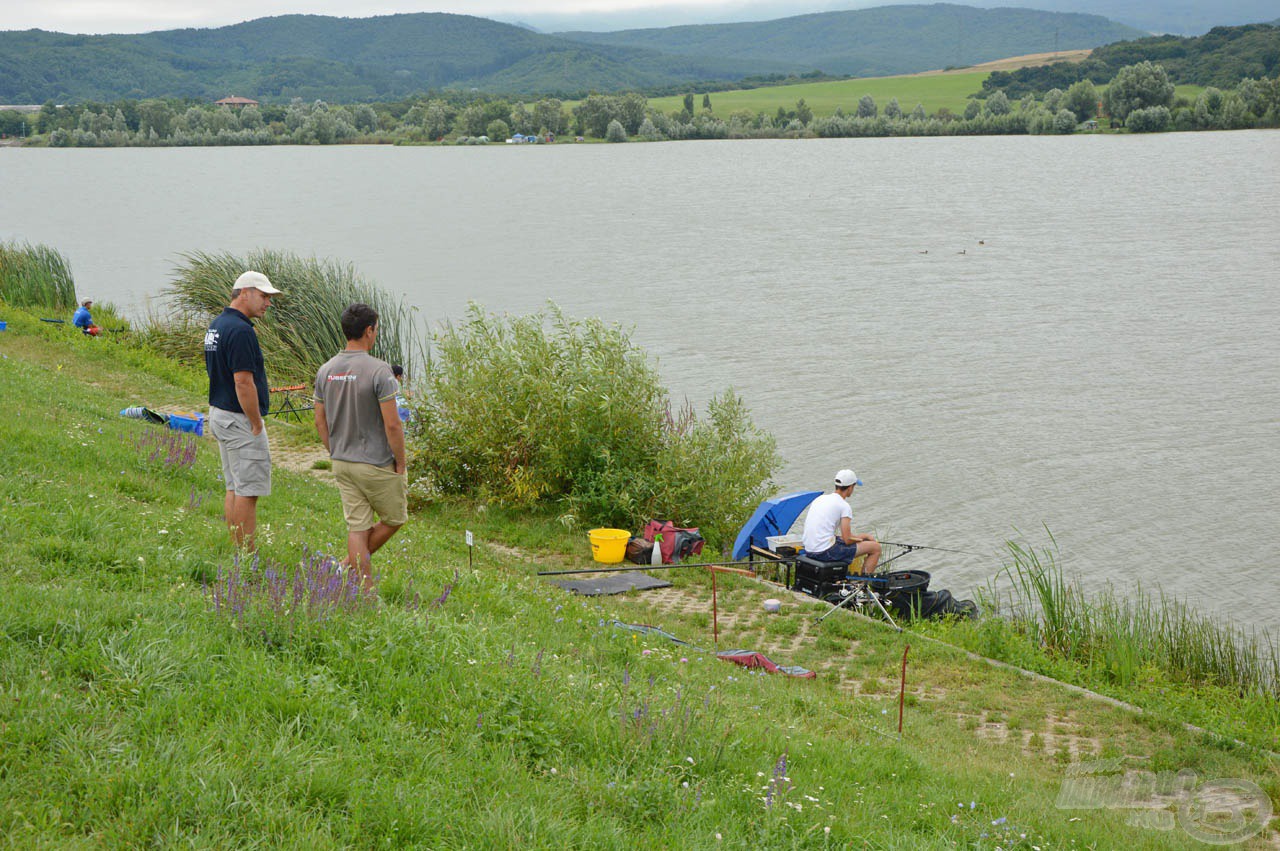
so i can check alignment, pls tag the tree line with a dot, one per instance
(1140, 97)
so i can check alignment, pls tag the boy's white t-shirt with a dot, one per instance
(822, 523)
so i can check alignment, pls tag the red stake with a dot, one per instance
(902, 691)
(715, 616)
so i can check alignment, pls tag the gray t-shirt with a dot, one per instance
(352, 387)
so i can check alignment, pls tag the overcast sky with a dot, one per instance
(132, 16)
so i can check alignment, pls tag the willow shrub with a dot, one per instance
(543, 407)
(301, 329)
(35, 276)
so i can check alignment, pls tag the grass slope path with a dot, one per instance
(475, 706)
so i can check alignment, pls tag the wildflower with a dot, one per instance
(645, 652)
(689, 760)
(1000, 820)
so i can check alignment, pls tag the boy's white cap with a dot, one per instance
(844, 478)
(255, 281)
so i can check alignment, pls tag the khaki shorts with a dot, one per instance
(246, 457)
(366, 489)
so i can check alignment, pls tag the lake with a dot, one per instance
(1001, 335)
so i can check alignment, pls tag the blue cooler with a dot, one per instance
(193, 423)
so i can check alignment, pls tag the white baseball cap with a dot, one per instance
(844, 478)
(255, 281)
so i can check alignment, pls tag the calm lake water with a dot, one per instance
(999, 334)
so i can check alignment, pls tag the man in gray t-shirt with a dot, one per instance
(358, 422)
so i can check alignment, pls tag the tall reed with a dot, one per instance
(35, 276)
(1123, 634)
(301, 330)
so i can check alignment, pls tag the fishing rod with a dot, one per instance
(909, 547)
(723, 566)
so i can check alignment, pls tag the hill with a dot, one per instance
(1222, 57)
(339, 59)
(881, 41)
(1180, 17)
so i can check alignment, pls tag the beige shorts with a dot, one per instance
(246, 457)
(367, 489)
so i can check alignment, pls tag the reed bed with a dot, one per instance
(1122, 635)
(35, 276)
(301, 329)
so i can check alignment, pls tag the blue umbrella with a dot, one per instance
(773, 517)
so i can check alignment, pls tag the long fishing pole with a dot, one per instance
(730, 566)
(922, 547)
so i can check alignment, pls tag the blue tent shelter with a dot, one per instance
(773, 517)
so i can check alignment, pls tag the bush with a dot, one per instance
(615, 132)
(1153, 119)
(519, 410)
(301, 329)
(35, 276)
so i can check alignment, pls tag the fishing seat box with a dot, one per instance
(819, 578)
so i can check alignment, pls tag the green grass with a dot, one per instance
(301, 330)
(513, 715)
(36, 276)
(935, 92)
(950, 91)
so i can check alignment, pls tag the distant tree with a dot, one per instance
(1053, 99)
(1027, 103)
(998, 104)
(867, 107)
(615, 132)
(918, 114)
(155, 115)
(251, 117)
(630, 110)
(471, 121)
(548, 115)
(1082, 99)
(688, 103)
(803, 113)
(1064, 122)
(706, 101)
(648, 130)
(520, 119)
(498, 130)
(436, 119)
(1151, 119)
(1138, 87)
(892, 109)
(594, 114)
(971, 110)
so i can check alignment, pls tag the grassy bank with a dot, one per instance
(504, 713)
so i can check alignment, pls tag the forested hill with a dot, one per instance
(880, 41)
(339, 59)
(1221, 57)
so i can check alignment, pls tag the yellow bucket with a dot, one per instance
(608, 546)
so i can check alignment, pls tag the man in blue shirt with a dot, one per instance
(82, 319)
(238, 401)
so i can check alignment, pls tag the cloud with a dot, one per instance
(131, 16)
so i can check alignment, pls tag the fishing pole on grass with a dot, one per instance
(724, 566)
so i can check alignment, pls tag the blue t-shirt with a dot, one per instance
(231, 346)
(82, 318)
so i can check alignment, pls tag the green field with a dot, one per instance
(935, 92)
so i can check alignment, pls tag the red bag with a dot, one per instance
(677, 542)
